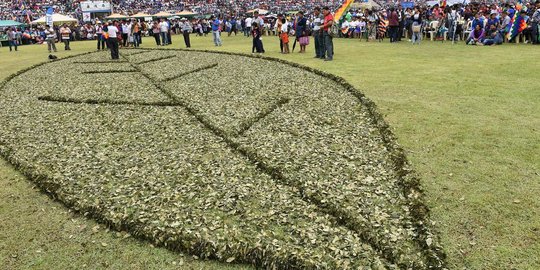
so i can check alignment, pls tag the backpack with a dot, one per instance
(334, 30)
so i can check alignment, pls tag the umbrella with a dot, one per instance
(140, 15)
(116, 16)
(163, 14)
(9, 23)
(57, 18)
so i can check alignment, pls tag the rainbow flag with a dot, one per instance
(342, 9)
(518, 23)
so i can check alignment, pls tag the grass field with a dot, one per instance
(469, 118)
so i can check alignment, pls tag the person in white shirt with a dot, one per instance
(247, 29)
(99, 36)
(50, 38)
(125, 32)
(112, 31)
(345, 29)
(164, 30)
(65, 33)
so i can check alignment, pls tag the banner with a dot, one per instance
(48, 17)
(95, 6)
(407, 4)
(87, 16)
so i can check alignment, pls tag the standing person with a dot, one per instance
(278, 27)
(113, 32)
(233, 27)
(416, 26)
(65, 36)
(136, 33)
(256, 34)
(164, 31)
(247, 29)
(401, 22)
(12, 38)
(284, 36)
(215, 30)
(328, 42)
(155, 32)
(301, 31)
(99, 36)
(393, 24)
(535, 21)
(169, 38)
(186, 28)
(260, 23)
(50, 38)
(125, 33)
(453, 19)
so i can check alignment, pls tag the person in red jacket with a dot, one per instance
(393, 24)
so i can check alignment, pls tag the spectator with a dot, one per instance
(215, 30)
(186, 27)
(493, 35)
(535, 23)
(12, 38)
(318, 20)
(477, 36)
(113, 33)
(156, 33)
(302, 34)
(393, 24)
(99, 36)
(328, 42)
(65, 33)
(416, 26)
(164, 31)
(256, 34)
(50, 38)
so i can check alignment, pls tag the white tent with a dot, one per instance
(260, 10)
(57, 19)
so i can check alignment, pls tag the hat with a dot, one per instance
(183, 19)
(493, 13)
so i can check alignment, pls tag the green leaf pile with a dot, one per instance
(227, 157)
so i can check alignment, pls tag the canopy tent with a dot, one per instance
(261, 11)
(163, 14)
(8, 23)
(140, 15)
(57, 19)
(117, 16)
(186, 13)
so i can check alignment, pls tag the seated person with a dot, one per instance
(476, 36)
(493, 36)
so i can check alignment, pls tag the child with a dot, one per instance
(285, 36)
(256, 34)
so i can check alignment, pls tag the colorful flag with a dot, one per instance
(443, 4)
(518, 23)
(342, 9)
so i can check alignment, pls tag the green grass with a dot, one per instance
(469, 118)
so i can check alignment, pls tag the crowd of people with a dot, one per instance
(475, 24)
